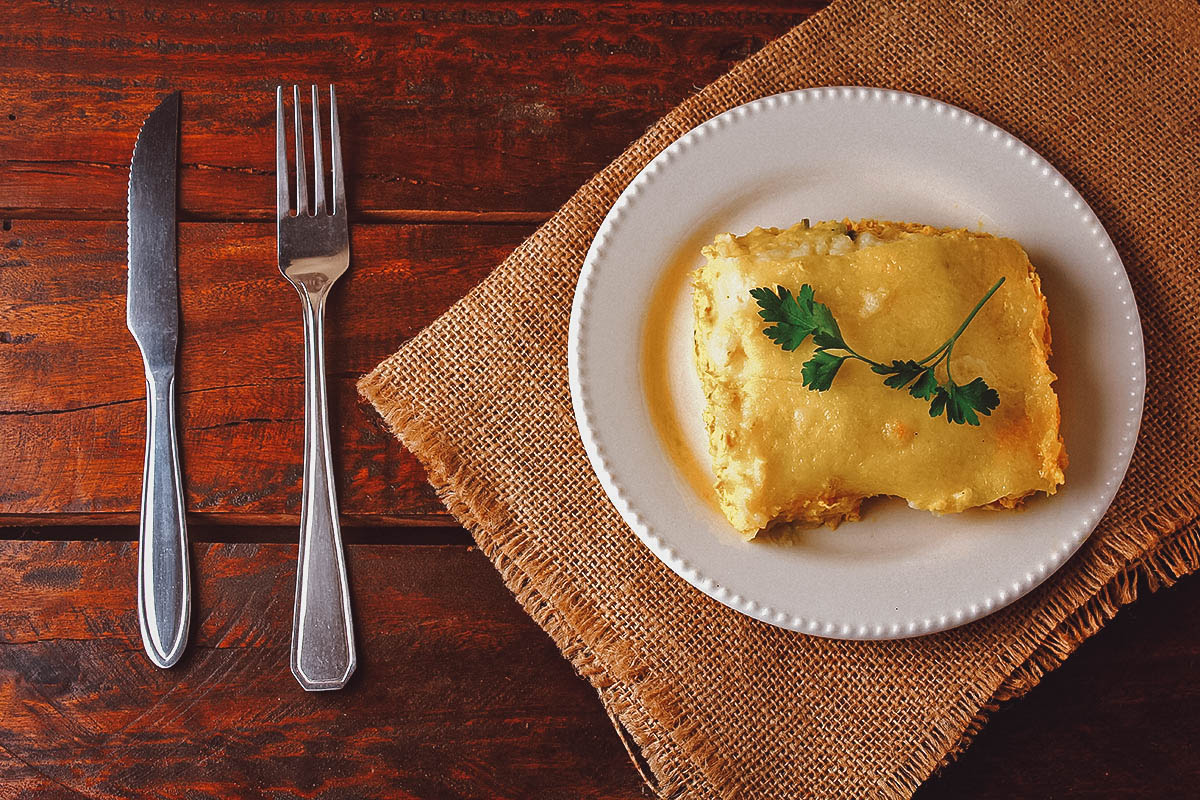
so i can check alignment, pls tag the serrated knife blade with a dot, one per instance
(152, 314)
(152, 311)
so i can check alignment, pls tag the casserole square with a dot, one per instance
(782, 452)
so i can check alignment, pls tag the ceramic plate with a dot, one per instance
(831, 153)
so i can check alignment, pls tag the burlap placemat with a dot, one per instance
(721, 705)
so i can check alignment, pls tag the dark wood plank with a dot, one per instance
(72, 411)
(471, 107)
(457, 693)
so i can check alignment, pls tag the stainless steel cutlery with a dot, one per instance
(152, 313)
(314, 251)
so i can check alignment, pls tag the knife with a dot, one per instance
(152, 314)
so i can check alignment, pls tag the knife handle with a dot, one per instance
(164, 580)
(323, 655)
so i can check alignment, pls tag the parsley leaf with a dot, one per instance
(976, 396)
(819, 371)
(797, 318)
(825, 328)
(924, 386)
(938, 404)
(901, 372)
(963, 404)
(793, 323)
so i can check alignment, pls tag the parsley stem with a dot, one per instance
(941, 349)
(863, 359)
(949, 343)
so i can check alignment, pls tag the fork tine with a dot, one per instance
(318, 161)
(335, 151)
(301, 178)
(282, 202)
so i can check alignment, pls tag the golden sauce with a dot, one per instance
(659, 332)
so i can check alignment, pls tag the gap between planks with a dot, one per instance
(406, 536)
(399, 216)
(201, 519)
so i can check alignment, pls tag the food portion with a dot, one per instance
(848, 359)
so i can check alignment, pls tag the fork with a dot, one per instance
(314, 251)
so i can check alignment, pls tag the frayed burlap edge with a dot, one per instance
(580, 639)
(1152, 553)
(1159, 568)
(1174, 557)
(1154, 550)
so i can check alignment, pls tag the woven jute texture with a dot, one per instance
(721, 705)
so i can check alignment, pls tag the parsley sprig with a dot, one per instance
(796, 317)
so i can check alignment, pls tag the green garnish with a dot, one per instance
(797, 317)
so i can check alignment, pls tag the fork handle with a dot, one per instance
(323, 654)
(163, 584)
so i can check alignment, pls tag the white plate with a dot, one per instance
(827, 154)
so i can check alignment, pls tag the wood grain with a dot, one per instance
(457, 693)
(72, 412)
(473, 107)
(467, 114)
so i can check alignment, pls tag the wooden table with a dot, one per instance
(464, 127)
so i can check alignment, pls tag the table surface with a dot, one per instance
(464, 126)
